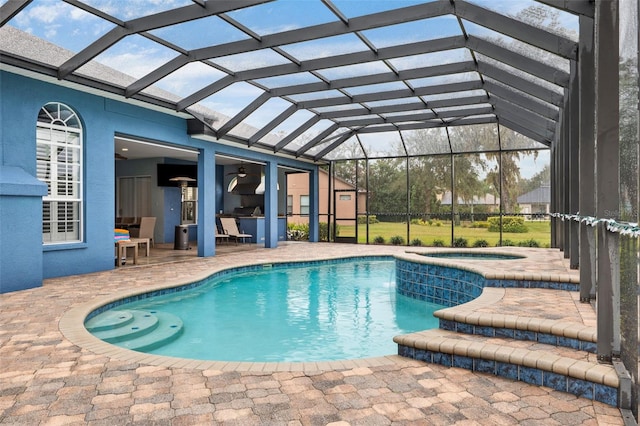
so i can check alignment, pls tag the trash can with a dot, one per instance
(181, 240)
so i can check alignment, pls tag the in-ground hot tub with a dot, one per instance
(472, 255)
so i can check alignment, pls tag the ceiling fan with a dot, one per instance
(119, 156)
(241, 172)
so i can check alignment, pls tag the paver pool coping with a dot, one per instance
(488, 270)
(72, 327)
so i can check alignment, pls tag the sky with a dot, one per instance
(74, 29)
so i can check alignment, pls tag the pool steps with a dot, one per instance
(135, 329)
(531, 350)
(465, 319)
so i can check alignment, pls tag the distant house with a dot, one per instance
(488, 200)
(345, 198)
(536, 201)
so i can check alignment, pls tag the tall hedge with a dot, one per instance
(513, 224)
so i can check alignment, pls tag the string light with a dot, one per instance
(622, 228)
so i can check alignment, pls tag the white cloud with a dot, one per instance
(51, 31)
(131, 9)
(47, 13)
(134, 64)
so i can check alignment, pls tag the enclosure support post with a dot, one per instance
(607, 179)
(587, 159)
(566, 182)
(408, 195)
(500, 189)
(554, 190)
(559, 151)
(574, 164)
(331, 226)
(366, 200)
(453, 197)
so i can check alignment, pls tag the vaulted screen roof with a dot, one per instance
(317, 79)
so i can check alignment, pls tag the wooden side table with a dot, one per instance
(145, 241)
(122, 251)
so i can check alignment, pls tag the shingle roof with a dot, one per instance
(541, 195)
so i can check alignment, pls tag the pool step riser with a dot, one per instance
(132, 334)
(452, 287)
(581, 388)
(142, 323)
(126, 320)
(516, 334)
(146, 331)
(155, 344)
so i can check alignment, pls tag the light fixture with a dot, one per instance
(125, 149)
(184, 182)
(242, 172)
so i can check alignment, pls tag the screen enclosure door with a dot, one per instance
(345, 223)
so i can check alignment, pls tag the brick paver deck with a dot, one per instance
(45, 378)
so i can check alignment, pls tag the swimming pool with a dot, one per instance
(292, 313)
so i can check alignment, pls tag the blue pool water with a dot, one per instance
(301, 313)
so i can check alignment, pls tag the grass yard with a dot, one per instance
(540, 231)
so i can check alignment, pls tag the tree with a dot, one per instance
(470, 168)
(543, 177)
(429, 176)
(509, 163)
(387, 186)
(467, 181)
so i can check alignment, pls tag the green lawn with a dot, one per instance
(539, 231)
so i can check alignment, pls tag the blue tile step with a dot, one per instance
(533, 363)
(136, 329)
(467, 318)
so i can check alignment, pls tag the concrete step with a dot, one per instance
(143, 322)
(169, 328)
(136, 329)
(109, 320)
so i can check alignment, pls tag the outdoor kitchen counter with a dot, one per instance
(254, 225)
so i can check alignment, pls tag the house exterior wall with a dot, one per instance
(21, 192)
(298, 185)
(534, 208)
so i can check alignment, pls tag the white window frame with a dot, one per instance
(304, 205)
(289, 205)
(59, 131)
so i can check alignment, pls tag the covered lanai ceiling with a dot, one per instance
(313, 78)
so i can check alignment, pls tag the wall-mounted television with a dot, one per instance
(168, 171)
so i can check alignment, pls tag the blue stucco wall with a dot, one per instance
(20, 192)
(21, 100)
(102, 118)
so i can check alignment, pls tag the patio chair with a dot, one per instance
(144, 234)
(230, 228)
(220, 236)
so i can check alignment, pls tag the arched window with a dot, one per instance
(59, 162)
